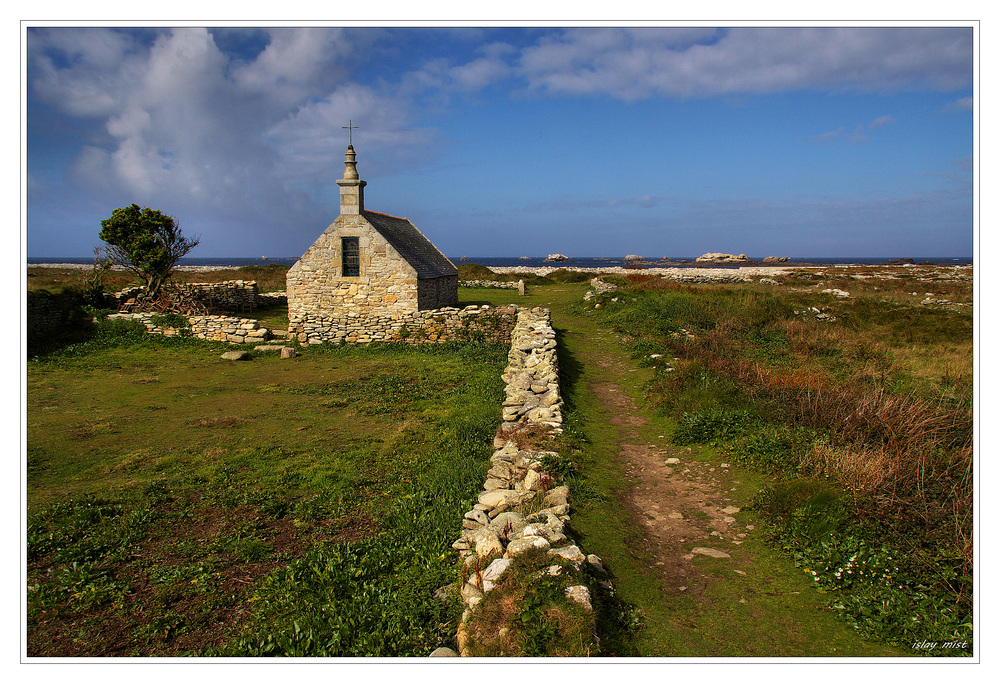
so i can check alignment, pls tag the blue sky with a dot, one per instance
(589, 141)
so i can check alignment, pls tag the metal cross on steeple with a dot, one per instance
(350, 131)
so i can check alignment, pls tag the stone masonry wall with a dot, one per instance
(495, 284)
(219, 328)
(49, 315)
(386, 283)
(522, 506)
(449, 324)
(437, 293)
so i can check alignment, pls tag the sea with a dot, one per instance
(536, 262)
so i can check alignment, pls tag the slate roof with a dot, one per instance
(412, 245)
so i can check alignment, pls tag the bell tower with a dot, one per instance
(352, 188)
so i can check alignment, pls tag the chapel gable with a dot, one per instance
(367, 265)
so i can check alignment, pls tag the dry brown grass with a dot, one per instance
(525, 435)
(269, 278)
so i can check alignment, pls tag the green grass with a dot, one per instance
(776, 392)
(782, 615)
(180, 504)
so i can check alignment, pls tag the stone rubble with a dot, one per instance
(835, 292)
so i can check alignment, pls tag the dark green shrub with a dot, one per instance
(712, 426)
(804, 509)
(170, 320)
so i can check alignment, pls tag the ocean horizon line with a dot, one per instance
(541, 262)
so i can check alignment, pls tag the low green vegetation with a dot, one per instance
(180, 504)
(269, 277)
(863, 437)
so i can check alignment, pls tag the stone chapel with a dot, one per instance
(365, 269)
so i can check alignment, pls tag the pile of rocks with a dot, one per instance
(532, 374)
(820, 314)
(599, 287)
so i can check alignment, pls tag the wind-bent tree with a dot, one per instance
(145, 242)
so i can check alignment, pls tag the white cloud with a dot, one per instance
(296, 63)
(310, 142)
(183, 119)
(857, 136)
(962, 104)
(829, 135)
(99, 68)
(881, 122)
(633, 64)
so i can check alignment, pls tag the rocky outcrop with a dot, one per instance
(557, 257)
(722, 258)
(774, 260)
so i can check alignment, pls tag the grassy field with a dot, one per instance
(184, 505)
(180, 504)
(270, 278)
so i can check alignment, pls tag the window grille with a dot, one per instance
(350, 256)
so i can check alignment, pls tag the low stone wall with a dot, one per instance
(271, 298)
(49, 316)
(495, 284)
(473, 323)
(532, 375)
(219, 328)
(523, 506)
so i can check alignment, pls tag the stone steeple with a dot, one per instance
(352, 189)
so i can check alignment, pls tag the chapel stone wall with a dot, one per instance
(437, 293)
(386, 283)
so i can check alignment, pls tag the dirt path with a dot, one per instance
(666, 518)
(679, 501)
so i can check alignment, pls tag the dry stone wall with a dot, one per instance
(495, 284)
(218, 328)
(450, 324)
(48, 316)
(523, 506)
